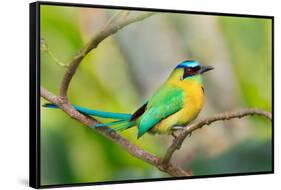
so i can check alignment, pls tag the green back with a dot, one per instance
(166, 101)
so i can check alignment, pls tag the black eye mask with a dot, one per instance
(190, 71)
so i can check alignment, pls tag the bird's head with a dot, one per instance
(191, 68)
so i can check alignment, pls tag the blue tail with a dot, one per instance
(97, 113)
(122, 124)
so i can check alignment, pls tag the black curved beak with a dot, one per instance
(205, 69)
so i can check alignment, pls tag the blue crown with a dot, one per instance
(188, 63)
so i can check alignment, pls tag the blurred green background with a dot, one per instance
(125, 70)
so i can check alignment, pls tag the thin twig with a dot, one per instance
(118, 15)
(45, 48)
(218, 117)
(106, 32)
(115, 137)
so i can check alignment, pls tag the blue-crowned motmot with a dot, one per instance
(176, 103)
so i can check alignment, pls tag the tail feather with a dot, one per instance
(49, 105)
(121, 125)
(97, 113)
(124, 126)
(111, 123)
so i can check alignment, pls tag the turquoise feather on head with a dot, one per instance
(188, 63)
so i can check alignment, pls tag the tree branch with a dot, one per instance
(112, 135)
(99, 37)
(218, 117)
(64, 104)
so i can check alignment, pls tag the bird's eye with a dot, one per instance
(195, 69)
(190, 71)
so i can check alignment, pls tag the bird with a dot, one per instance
(175, 104)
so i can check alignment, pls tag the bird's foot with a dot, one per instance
(174, 135)
(177, 129)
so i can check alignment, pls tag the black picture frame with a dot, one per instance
(34, 91)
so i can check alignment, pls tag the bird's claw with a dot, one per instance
(177, 129)
(174, 135)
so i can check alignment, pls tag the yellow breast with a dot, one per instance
(193, 103)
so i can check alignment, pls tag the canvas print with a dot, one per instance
(136, 95)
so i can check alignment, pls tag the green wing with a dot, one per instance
(166, 101)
